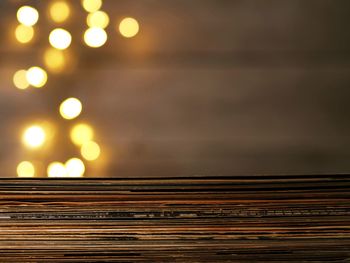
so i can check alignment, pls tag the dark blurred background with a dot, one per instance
(207, 87)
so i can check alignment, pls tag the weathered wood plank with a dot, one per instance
(200, 219)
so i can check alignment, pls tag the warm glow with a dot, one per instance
(56, 169)
(59, 11)
(25, 169)
(75, 167)
(95, 37)
(97, 19)
(54, 59)
(81, 133)
(70, 108)
(27, 15)
(36, 77)
(90, 150)
(24, 34)
(91, 5)
(60, 38)
(34, 136)
(129, 27)
(20, 79)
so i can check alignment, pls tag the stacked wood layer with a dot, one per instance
(200, 219)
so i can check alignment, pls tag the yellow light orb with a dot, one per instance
(59, 11)
(36, 77)
(34, 136)
(24, 34)
(91, 5)
(75, 167)
(95, 37)
(90, 150)
(54, 60)
(60, 38)
(98, 19)
(20, 79)
(27, 15)
(25, 169)
(70, 108)
(56, 169)
(129, 27)
(81, 133)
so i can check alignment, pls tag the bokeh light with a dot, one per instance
(60, 38)
(34, 136)
(20, 79)
(75, 167)
(27, 15)
(59, 11)
(56, 169)
(70, 108)
(24, 34)
(81, 133)
(95, 37)
(54, 60)
(129, 27)
(36, 77)
(97, 19)
(90, 150)
(91, 5)
(25, 169)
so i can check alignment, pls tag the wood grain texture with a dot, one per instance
(200, 219)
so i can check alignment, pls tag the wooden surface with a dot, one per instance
(228, 219)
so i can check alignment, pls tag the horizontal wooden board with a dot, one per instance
(199, 219)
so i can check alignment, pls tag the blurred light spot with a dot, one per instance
(70, 108)
(36, 77)
(20, 79)
(56, 169)
(91, 5)
(98, 19)
(59, 11)
(95, 37)
(90, 150)
(129, 27)
(24, 34)
(27, 15)
(81, 133)
(25, 169)
(34, 136)
(75, 167)
(60, 38)
(54, 59)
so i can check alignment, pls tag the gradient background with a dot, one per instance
(207, 87)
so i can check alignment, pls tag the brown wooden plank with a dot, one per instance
(200, 219)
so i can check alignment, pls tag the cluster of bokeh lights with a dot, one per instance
(55, 59)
